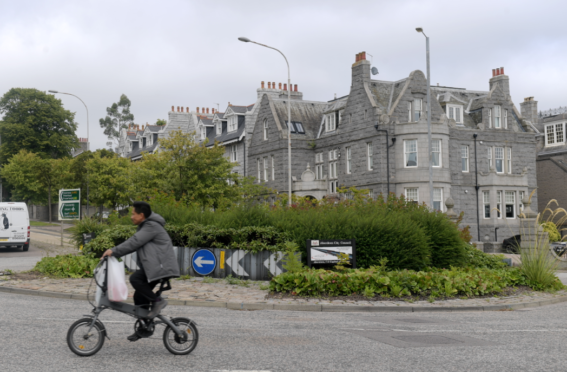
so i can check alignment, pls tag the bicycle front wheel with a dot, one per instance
(82, 342)
(181, 345)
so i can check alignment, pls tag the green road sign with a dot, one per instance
(69, 195)
(70, 211)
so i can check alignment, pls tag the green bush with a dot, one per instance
(85, 226)
(67, 266)
(551, 228)
(477, 258)
(377, 280)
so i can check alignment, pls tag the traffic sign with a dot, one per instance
(70, 204)
(204, 262)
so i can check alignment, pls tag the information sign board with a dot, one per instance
(204, 262)
(70, 204)
(326, 252)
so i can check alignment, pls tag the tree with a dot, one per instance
(79, 175)
(118, 117)
(109, 180)
(161, 122)
(37, 122)
(195, 173)
(35, 179)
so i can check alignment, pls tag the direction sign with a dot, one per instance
(204, 262)
(70, 204)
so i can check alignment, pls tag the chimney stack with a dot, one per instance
(501, 80)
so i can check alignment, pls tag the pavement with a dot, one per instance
(34, 332)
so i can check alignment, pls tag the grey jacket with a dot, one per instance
(154, 248)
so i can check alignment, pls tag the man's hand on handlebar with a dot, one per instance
(106, 253)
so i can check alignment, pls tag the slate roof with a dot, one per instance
(139, 151)
(224, 136)
(241, 109)
(308, 113)
(132, 136)
(154, 128)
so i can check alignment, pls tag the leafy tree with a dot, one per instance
(37, 122)
(161, 122)
(79, 175)
(195, 173)
(51, 174)
(109, 180)
(118, 117)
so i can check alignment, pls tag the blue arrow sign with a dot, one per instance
(204, 262)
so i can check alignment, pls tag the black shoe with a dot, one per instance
(157, 308)
(133, 337)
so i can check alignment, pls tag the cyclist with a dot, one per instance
(155, 258)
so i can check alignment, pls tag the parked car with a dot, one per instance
(14, 225)
(512, 244)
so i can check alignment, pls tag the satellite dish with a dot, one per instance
(374, 71)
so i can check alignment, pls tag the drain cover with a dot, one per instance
(428, 339)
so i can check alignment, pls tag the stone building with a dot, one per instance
(483, 150)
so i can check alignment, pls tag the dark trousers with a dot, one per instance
(144, 291)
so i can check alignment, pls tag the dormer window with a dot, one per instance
(330, 123)
(455, 112)
(144, 142)
(232, 123)
(414, 110)
(203, 133)
(554, 134)
(497, 117)
(219, 128)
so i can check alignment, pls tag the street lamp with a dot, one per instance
(246, 40)
(420, 30)
(88, 141)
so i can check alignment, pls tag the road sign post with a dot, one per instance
(69, 206)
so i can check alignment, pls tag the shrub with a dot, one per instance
(84, 226)
(67, 266)
(551, 228)
(378, 280)
(477, 258)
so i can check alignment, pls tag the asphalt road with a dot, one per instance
(33, 331)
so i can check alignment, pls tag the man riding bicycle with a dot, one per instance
(156, 258)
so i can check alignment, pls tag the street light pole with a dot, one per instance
(246, 40)
(88, 140)
(419, 29)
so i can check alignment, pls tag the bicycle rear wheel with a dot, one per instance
(82, 343)
(181, 345)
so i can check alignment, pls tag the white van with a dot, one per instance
(14, 225)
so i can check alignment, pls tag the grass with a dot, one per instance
(41, 223)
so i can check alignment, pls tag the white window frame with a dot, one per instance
(455, 112)
(259, 170)
(521, 195)
(348, 160)
(319, 166)
(485, 204)
(509, 160)
(265, 159)
(438, 198)
(490, 118)
(489, 158)
(369, 156)
(497, 158)
(465, 158)
(265, 125)
(436, 148)
(333, 170)
(497, 117)
(233, 153)
(219, 128)
(406, 153)
(415, 108)
(412, 190)
(333, 186)
(499, 204)
(232, 123)
(330, 124)
(505, 119)
(553, 132)
(203, 133)
(273, 168)
(511, 203)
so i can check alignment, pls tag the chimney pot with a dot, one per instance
(273, 85)
(207, 110)
(493, 72)
(280, 86)
(172, 108)
(262, 85)
(181, 108)
(285, 86)
(177, 108)
(363, 56)
(197, 110)
(356, 57)
(502, 70)
(295, 88)
(269, 85)
(187, 109)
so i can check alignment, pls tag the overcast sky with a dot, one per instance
(186, 53)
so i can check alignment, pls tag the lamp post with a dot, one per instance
(246, 40)
(419, 29)
(88, 141)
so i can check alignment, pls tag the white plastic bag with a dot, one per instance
(99, 280)
(117, 288)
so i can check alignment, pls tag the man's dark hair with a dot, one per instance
(143, 207)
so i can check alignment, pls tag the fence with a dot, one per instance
(237, 263)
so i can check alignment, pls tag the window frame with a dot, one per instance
(489, 158)
(406, 142)
(265, 169)
(233, 153)
(259, 170)
(203, 133)
(512, 204)
(330, 123)
(416, 194)
(369, 156)
(218, 127)
(496, 159)
(508, 160)
(440, 201)
(451, 108)
(556, 141)
(232, 124)
(348, 160)
(490, 118)
(497, 117)
(486, 203)
(273, 168)
(265, 127)
(438, 141)
(505, 119)
(499, 204)
(465, 163)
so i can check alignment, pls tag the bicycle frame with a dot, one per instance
(135, 311)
